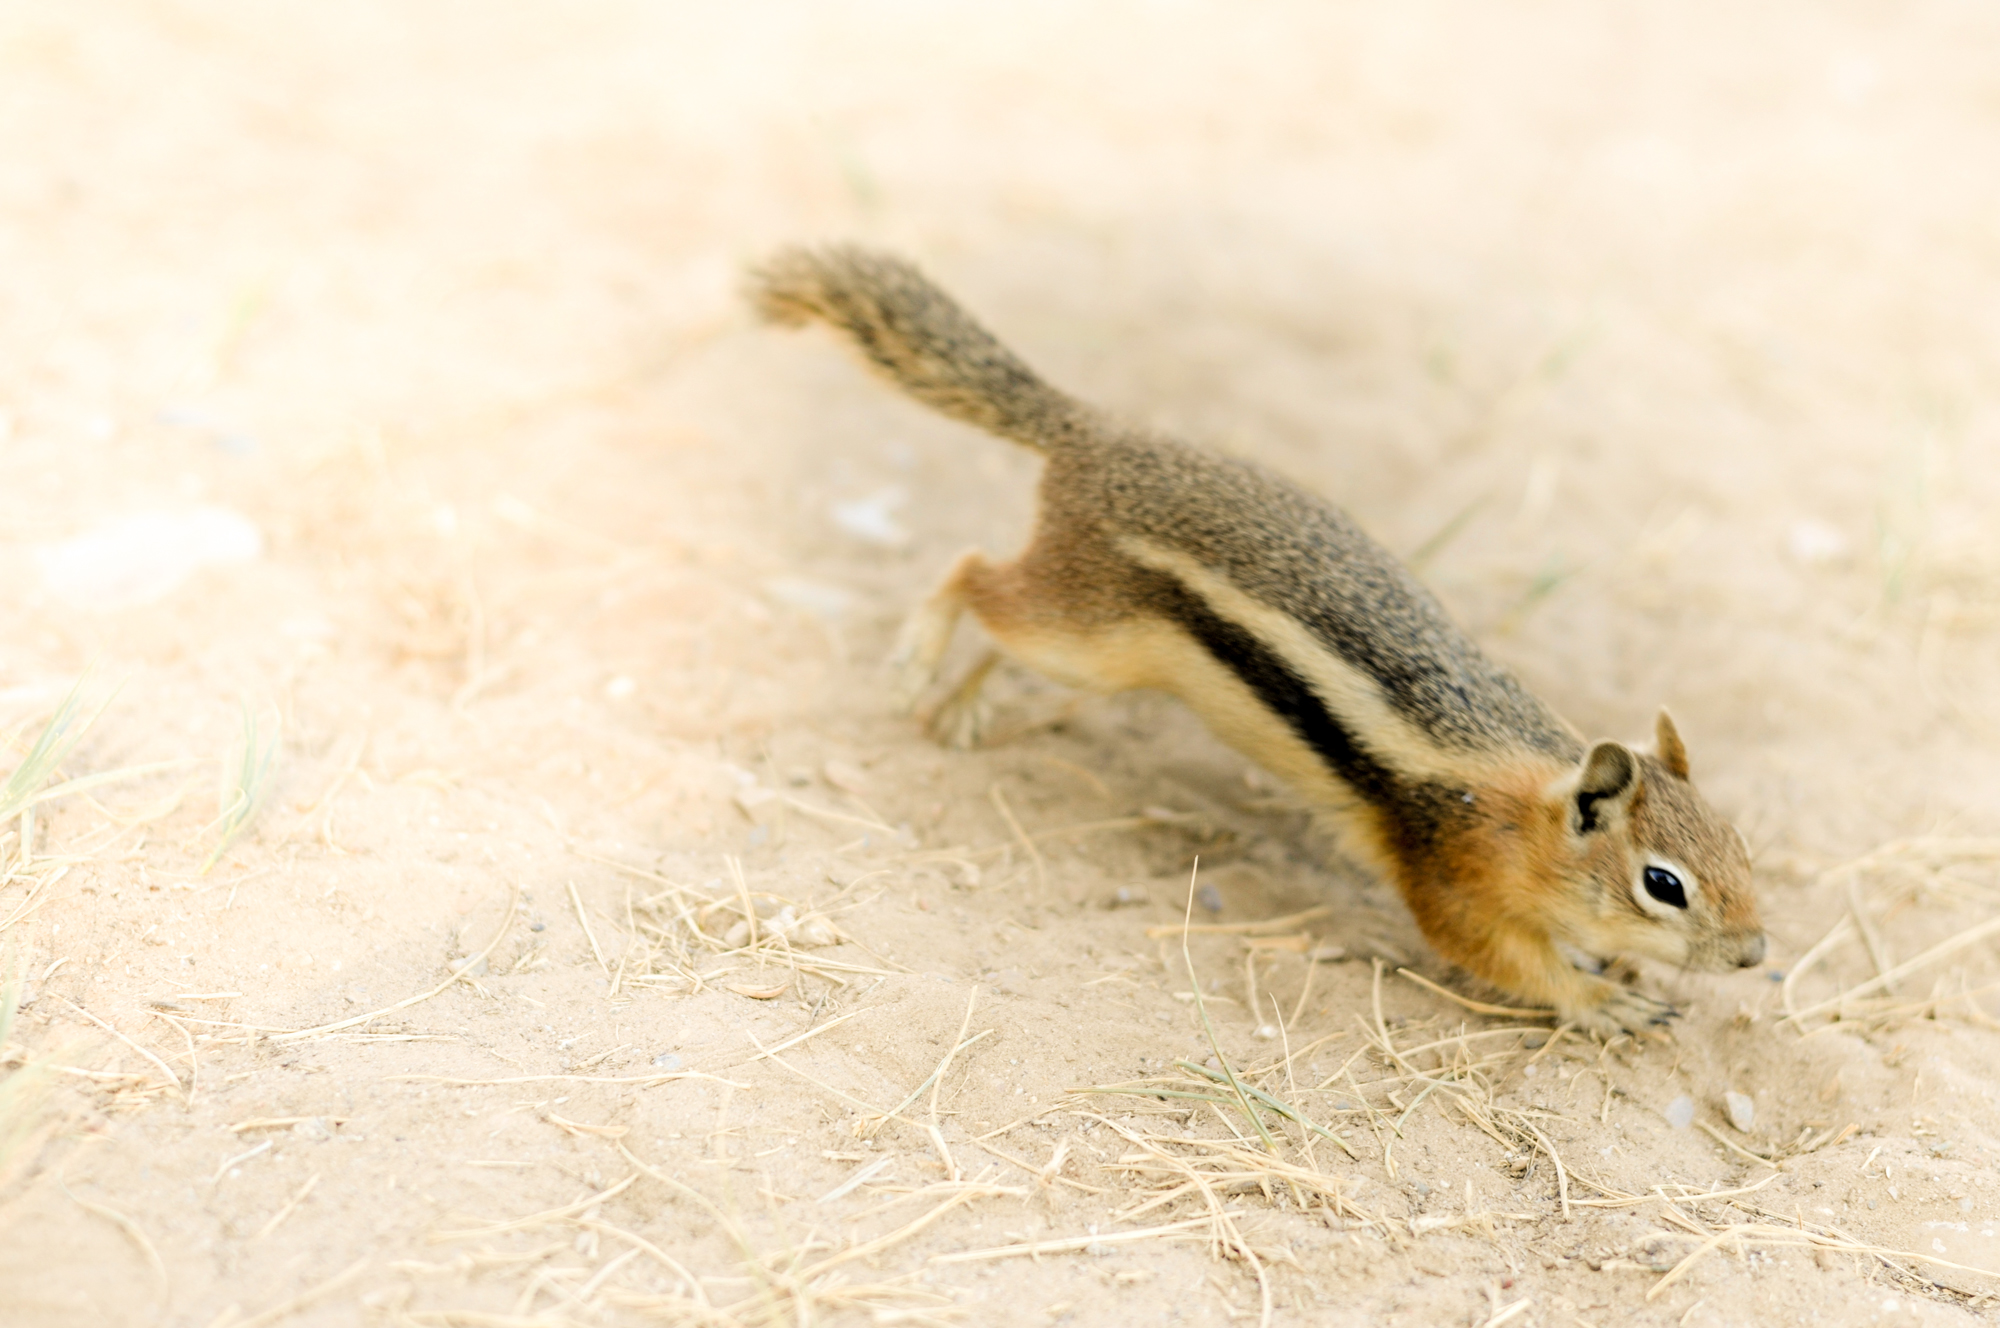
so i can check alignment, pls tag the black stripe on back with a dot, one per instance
(1281, 690)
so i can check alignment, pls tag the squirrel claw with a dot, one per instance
(1624, 1010)
(960, 723)
(961, 719)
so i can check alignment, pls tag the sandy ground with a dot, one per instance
(1667, 333)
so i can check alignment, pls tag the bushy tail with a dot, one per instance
(916, 334)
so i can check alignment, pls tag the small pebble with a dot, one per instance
(1210, 898)
(145, 557)
(759, 804)
(872, 518)
(1267, 1031)
(815, 597)
(666, 1060)
(1742, 1111)
(1816, 543)
(1680, 1112)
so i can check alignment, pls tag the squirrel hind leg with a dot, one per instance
(963, 717)
(926, 633)
(1030, 618)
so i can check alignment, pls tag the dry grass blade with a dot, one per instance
(868, 1129)
(133, 1231)
(583, 1129)
(1288, 1112)
(1737, 1148)
(638, 1080)
(458, 974)
(24, 1091)
(1201, 1010)
(10, 995)
(1021, 836)
(815, 1031)
(1264, 928)
(1562, 1173)
(583, 921)
(86, 783)
(1959, 942)
(874, 1113)
(536, 1219)
(1634, 1200)
(674, 931)
(961, 1193)
(1217, 1165)
(861, 1176)
(37, 896)
(1922, 865)
(247, 776)
(790, 1292)
(1826, 944)
(171, 1077)
(291, 1206)
(311, 1294)
(1477, 1007)
(1071, 1244)
(1769, 1234)
(281, 1122)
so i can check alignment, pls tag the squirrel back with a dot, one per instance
(1526, 855)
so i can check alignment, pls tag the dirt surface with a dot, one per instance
(373, 378)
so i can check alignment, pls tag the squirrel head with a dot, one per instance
(1658, 872)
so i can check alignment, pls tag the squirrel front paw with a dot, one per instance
(1619, 1010)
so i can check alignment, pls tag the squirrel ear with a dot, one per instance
(1605, 785)
(1668, 747)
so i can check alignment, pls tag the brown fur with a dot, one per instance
(1308, 647)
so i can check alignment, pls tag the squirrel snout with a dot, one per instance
(1751, 952)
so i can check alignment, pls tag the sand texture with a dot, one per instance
(483, 882)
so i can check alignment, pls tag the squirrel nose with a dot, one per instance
(1752, 953)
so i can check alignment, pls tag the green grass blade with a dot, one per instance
(247, 776)
(59, 737)
(1201, 1008)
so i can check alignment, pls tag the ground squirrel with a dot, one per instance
(1527, 856)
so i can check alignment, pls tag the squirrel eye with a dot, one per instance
(1666, 887)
